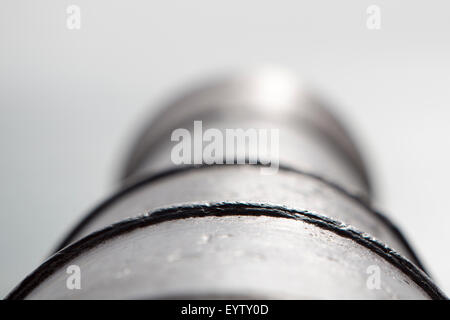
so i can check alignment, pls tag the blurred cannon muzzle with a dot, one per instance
(244, 188)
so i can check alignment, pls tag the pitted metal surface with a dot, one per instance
(229, 250)
(211, 184)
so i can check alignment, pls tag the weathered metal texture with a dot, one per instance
(307, 231)
(242, 183)
(229, 250)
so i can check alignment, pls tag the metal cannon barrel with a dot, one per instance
(282, 211)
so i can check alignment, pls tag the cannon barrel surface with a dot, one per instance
(295, 222)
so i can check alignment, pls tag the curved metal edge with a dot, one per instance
(219, 210)
(127, 189)
(334, 131)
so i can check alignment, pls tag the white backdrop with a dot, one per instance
(71, 100)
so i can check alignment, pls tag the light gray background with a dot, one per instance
(71, 101)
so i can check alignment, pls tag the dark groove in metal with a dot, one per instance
(127, 189)
(220, 210)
